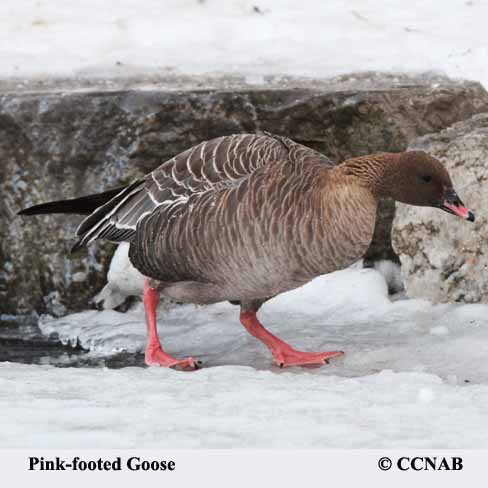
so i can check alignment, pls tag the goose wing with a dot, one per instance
(213, 164)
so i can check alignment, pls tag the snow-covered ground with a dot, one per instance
(414, 375)
(313, 38)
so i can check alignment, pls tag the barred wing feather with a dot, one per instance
(210, 165)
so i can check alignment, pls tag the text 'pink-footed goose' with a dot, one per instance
(245, 217)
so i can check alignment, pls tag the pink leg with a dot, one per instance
(155, 356)
(283, 353)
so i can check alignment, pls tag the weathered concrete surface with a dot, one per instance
(58, 144)
(445, 259)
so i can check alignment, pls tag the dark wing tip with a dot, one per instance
(77, 246)
(59, 206)
(29, 211)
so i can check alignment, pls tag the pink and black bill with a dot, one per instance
(452, 203)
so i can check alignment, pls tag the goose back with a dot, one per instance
(210, 165)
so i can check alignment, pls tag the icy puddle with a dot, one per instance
(414, 375)
(348, 310)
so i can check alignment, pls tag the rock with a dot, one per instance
(60, 139)
(444, 258)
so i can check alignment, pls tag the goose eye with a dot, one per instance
(426, 178)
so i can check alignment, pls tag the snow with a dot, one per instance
(399, 384)
(348, 310)
(123, 280)
(235, 406)
(392, 274)
(120, 38)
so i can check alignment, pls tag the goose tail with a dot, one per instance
(99, 209)
(80, 206)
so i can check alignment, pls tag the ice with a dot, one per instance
(116, 38)
(399, 385)
(404, 381)
(348, 310)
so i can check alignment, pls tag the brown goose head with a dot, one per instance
(411, 177)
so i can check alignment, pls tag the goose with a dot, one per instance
(245, 217)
